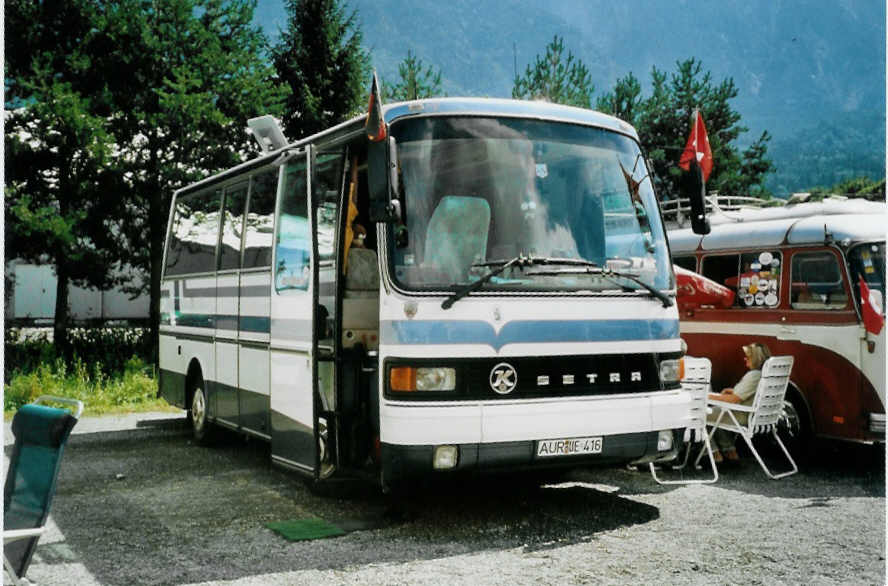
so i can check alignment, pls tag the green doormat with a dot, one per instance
(305, 529)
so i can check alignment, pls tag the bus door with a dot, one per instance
(326, 189)
(292, 327)
(303, 308)
(227, 304)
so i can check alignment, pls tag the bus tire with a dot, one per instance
(794, 427)
(201, 428)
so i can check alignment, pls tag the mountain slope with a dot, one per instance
(798, 64)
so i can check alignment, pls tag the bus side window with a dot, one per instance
(723, 269)
(260, 220)
(233, 226)
(817, 282)
(753, 276)
(685, 262)
(193, 236)
(293, 241)
(326, 187)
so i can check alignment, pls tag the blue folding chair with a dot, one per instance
(40, 435)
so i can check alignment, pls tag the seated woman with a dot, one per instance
(754, 356)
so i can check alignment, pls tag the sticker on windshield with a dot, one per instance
(765, 258)
(770, 300)
(542, 170)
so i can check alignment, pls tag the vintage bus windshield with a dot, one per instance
(479, 190)
(868, 261)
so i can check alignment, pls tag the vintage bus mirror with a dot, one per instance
(694, 188)
(382, 169)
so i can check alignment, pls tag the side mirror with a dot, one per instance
(382, 171)
(694, 188)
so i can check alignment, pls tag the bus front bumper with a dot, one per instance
(411, 461)
(504, 436)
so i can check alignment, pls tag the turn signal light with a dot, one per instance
(402, 378)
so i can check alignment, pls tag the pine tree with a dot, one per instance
(665, 121)
(321, 59)
(625, 101)
(416, 83)
(556, 78)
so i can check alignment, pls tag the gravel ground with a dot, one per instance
(139, 504)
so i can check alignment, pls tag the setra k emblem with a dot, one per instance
(503, 378)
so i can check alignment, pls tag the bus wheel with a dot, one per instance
(200, 425)
(324, 447)
(793, 428)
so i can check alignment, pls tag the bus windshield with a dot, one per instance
(867, 262)
(478, 192)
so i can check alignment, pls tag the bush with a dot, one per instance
(109, 347)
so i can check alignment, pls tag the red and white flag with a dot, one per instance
(873, 320)
(697, 148)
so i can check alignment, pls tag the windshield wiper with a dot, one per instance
(503, 264)
(610, 275)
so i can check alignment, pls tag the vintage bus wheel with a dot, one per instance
(793, 428)
(200, 425)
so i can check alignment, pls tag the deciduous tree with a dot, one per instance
(185, 76)
(58, 149)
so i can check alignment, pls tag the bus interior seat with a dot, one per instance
(360, 302)
(592, 244)
(457, 235)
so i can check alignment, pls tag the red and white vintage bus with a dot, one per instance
(796, 281)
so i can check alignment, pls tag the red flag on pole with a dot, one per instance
(697, 147)
(873, 321)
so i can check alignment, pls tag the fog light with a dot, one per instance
(446, 457)
(664, 441)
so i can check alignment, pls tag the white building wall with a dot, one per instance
(33, 297)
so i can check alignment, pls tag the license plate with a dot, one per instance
(569, 447)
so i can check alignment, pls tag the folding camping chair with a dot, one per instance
(696, 381)
(40, 435)
(764, 413)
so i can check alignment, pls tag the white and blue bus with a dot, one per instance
(456, 285)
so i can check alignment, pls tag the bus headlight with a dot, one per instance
(410, 378)
(672, 371)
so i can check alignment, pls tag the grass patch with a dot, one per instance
(133, 390)
(97, 373)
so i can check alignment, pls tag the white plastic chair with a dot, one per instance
(764, 413)
(697, 373)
